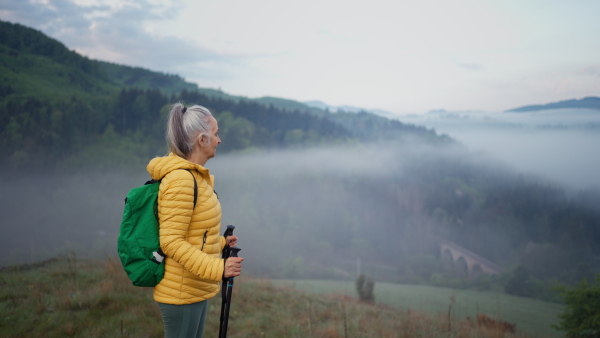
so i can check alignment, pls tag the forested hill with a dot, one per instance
(29, 50)
(585, 103)
(60, 108)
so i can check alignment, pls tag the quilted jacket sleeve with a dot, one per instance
(175, 202)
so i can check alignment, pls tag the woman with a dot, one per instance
(189, 235)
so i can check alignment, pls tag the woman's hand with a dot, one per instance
(231, 240)
(233, 267)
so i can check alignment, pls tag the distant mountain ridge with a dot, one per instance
(590, 102)
(348, 109)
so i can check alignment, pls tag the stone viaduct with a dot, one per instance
(475, 264)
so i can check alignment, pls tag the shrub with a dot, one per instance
(581, 317)
(365, 287)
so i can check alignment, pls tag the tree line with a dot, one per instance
(57, 106)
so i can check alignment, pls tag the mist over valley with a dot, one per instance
(558, 144)
(333, 212)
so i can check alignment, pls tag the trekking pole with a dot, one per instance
(226, 253)
(233, 251)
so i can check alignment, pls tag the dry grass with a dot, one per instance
(72, 297)
(262, 310)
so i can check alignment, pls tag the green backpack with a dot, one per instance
(139, 244)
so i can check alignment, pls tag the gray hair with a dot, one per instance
(185, 126)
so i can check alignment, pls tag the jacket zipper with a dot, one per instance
(204, 240)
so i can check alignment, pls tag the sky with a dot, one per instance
(406, 57)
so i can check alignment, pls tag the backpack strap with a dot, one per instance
(160, 252)
(195, 189)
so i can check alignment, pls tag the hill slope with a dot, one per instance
(58, 106)
(586, 103)
(35, 63)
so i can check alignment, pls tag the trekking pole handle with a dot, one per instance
(234, 251)
(227, 249)
(229, 231)
(231, 252)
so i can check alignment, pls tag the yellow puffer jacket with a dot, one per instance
(189, 237)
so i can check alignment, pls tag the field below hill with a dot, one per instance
(530, 315)
(75, 297)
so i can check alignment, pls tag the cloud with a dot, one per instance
(53, 17)
(591, 70)
(120, 32)
(405, 58)
(470, 66)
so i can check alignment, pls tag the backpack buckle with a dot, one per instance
(157, 257)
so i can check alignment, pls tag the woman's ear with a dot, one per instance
(202, 140)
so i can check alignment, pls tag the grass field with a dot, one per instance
(530, 315)
(77, 297)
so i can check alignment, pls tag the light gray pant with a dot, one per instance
(183, 321)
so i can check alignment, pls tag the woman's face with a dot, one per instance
(214, 140)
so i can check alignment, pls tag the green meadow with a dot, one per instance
(75, 297)
(531, 315)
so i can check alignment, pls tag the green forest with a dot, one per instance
(324, 188)
(57, 108)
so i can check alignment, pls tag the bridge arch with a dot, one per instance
(475, 264)
(462, 266)
(447, 255)
(476, 271)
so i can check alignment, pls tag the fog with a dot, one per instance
(331, 212)
(560, 144)
(313, 212)
(285, 205)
